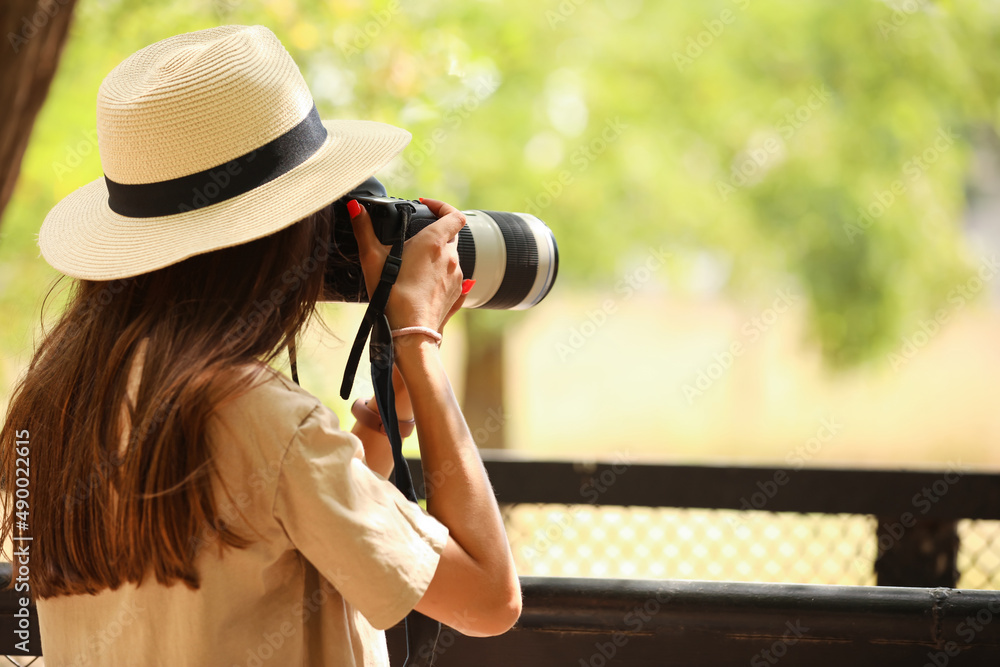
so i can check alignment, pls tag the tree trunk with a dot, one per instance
(34, 32)
(483, 403)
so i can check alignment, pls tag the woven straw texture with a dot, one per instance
(195, 102)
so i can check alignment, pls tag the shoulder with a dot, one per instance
(268, 409)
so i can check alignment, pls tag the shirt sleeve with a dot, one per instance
(376, 547)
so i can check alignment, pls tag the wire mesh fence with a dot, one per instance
(979, 554)
(561, 540)
(719, 545)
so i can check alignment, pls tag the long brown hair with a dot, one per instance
(202, 320)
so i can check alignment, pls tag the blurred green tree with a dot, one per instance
(819, 146)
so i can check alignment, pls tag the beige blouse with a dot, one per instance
(341, 555)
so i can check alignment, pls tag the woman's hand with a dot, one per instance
(418, 279)
(428, 290)
(475, 588)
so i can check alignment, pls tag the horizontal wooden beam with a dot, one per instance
(857, 613)
(937, 494)
(638, 623)
(642, 623)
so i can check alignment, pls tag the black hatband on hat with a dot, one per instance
(222, 182)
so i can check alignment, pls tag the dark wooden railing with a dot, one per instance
(600, 622)
(596, 622)
(917, 511)
(640, 623)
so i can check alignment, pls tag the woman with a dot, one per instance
(187, 504)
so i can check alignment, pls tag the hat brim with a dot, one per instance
(83, 238)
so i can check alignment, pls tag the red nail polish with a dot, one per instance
(353, 208)
(467, 286)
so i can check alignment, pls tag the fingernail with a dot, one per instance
(420, 199)
(353, 208)
(467, 286)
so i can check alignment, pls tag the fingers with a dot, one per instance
(438, 207)
(362, 226)
(450, 219)
(371, 252)
(449, 225)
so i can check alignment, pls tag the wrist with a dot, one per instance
(415, 355)
(404, 409)
(366, 413)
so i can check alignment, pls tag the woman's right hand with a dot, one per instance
(475, 588)
(428, 289)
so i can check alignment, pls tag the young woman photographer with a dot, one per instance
(186, 503)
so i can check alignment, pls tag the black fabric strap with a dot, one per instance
(222, 182)
(421, 632)
(376, 308)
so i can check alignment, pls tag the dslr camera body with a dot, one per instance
(513, 257)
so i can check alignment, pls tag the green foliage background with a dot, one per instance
(508, 102)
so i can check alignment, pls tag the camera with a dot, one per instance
(513, 257)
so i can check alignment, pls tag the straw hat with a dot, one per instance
(208, 140)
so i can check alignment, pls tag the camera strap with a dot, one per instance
(421, 632)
